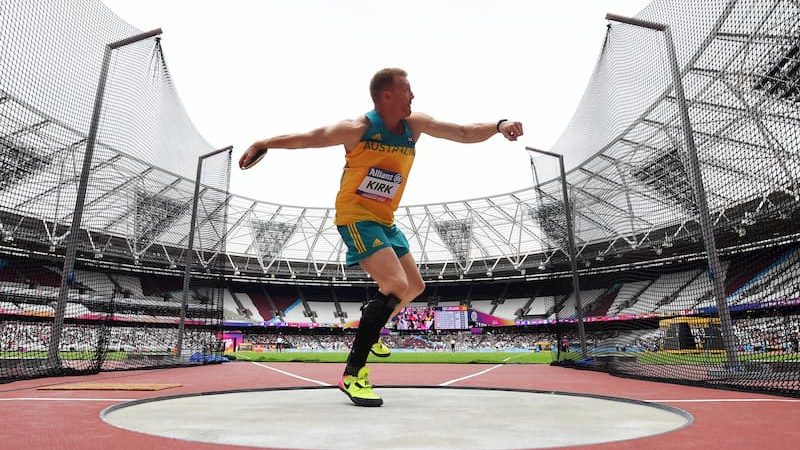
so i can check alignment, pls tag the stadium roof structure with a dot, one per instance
(740, 65)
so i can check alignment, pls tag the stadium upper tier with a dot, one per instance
(632, 194)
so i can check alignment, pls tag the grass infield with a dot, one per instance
(402, 357)
(664, 358)
(711, 358)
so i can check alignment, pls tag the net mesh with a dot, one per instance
(639, 204)
(99, 310)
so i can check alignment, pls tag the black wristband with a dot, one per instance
(498, 124)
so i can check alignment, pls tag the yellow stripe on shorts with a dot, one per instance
(356, 238)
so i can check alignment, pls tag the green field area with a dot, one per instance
(660, 358)
(507, 357)
(711, 358)
(402, 357)
(666, 358)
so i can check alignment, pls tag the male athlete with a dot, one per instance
(379, 151)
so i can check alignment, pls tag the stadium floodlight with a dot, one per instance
(715, 272)
(488, 273)
(573, 254)
(542, 266)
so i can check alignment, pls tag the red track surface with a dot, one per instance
(70, 423)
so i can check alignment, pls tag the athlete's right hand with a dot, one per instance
(252, 156)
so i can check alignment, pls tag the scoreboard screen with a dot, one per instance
(438, 317)
(451, 317)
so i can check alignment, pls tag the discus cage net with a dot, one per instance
(686, 207)
(94, 189)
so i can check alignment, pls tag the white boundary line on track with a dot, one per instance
(728, 400)
(66, 399)
(455, 380)
(321, 383)
(699, 400)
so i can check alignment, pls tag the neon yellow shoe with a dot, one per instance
(380, 349)
(359, 389)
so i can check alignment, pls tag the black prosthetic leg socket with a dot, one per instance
(373, 318)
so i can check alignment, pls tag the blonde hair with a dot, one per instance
(382, 80)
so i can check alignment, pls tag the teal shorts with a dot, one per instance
(367, 237)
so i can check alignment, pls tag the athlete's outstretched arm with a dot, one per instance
(346, 133)
(476, 132)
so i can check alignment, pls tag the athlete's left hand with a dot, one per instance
(511, 130)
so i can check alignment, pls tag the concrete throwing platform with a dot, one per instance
(411, 418)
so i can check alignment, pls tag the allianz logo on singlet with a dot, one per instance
(391, 177)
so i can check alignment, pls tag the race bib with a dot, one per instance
(380, 185)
